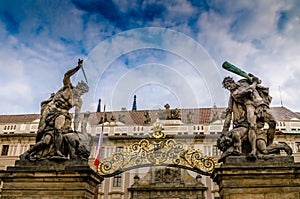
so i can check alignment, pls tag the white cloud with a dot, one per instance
(247, 33)
(255, 44)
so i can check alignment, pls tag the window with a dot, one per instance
(119, 148)
(102, 156)
(215, 151)
(10, 127)
(4, 150)
(297, 146)
(117, 180)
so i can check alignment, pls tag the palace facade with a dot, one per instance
(197, 128)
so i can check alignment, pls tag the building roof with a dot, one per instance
(193, 116)
(282, 113)
(24, 118)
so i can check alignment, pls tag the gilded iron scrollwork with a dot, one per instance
(157, 150)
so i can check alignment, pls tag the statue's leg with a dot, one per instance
(251, 117)
(269, 119)
(45, 141)
(59, 123)
(262, 146)
(226, 153)
(70, 143)
(237, 142)
(275, 148)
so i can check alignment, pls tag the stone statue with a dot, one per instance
(248, 109)
(172, 114)
(157, 126)
(55, 121)
(78, 144)
(121, 118)
(168, 111)
(175, 114)
(230, 143)
(147, 117)
(78, 91)
(189, 117)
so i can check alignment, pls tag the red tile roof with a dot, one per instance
(25, 118)
(282, 113)
(198, 116)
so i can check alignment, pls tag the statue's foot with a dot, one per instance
(60, 154)
(236, 153)
(222, 159)
(251, 157)
(287, 149)
(24, 156)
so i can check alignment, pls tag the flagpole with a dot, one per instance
(100, 140)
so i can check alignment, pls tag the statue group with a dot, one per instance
(248, 110)
(56, 138)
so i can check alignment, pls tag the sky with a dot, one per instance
(161, 51)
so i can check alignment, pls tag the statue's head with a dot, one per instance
(228, 82)
(82, 87)
(225, 141)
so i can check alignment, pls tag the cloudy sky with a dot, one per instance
(160, 51)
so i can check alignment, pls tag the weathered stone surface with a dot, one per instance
(167, 183)
(48, 179)
(269, 178)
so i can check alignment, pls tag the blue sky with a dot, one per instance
(161, 51)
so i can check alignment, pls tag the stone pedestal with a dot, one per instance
(276, 177)
(49, 179)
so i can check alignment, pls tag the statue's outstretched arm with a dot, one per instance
(68, 74)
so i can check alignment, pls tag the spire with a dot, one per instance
(99, 106)
(134, 103)
(215, 106)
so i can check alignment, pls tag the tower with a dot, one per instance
(134, 103)
(99, 106)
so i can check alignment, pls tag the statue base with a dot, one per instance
(269, 177)
(49, 179)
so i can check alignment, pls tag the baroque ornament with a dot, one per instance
(157, 150)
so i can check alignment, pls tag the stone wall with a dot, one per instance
(274, 177)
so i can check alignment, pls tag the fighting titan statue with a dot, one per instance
(55, 137)
(248, 109)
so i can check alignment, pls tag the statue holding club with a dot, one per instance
(248, 109)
